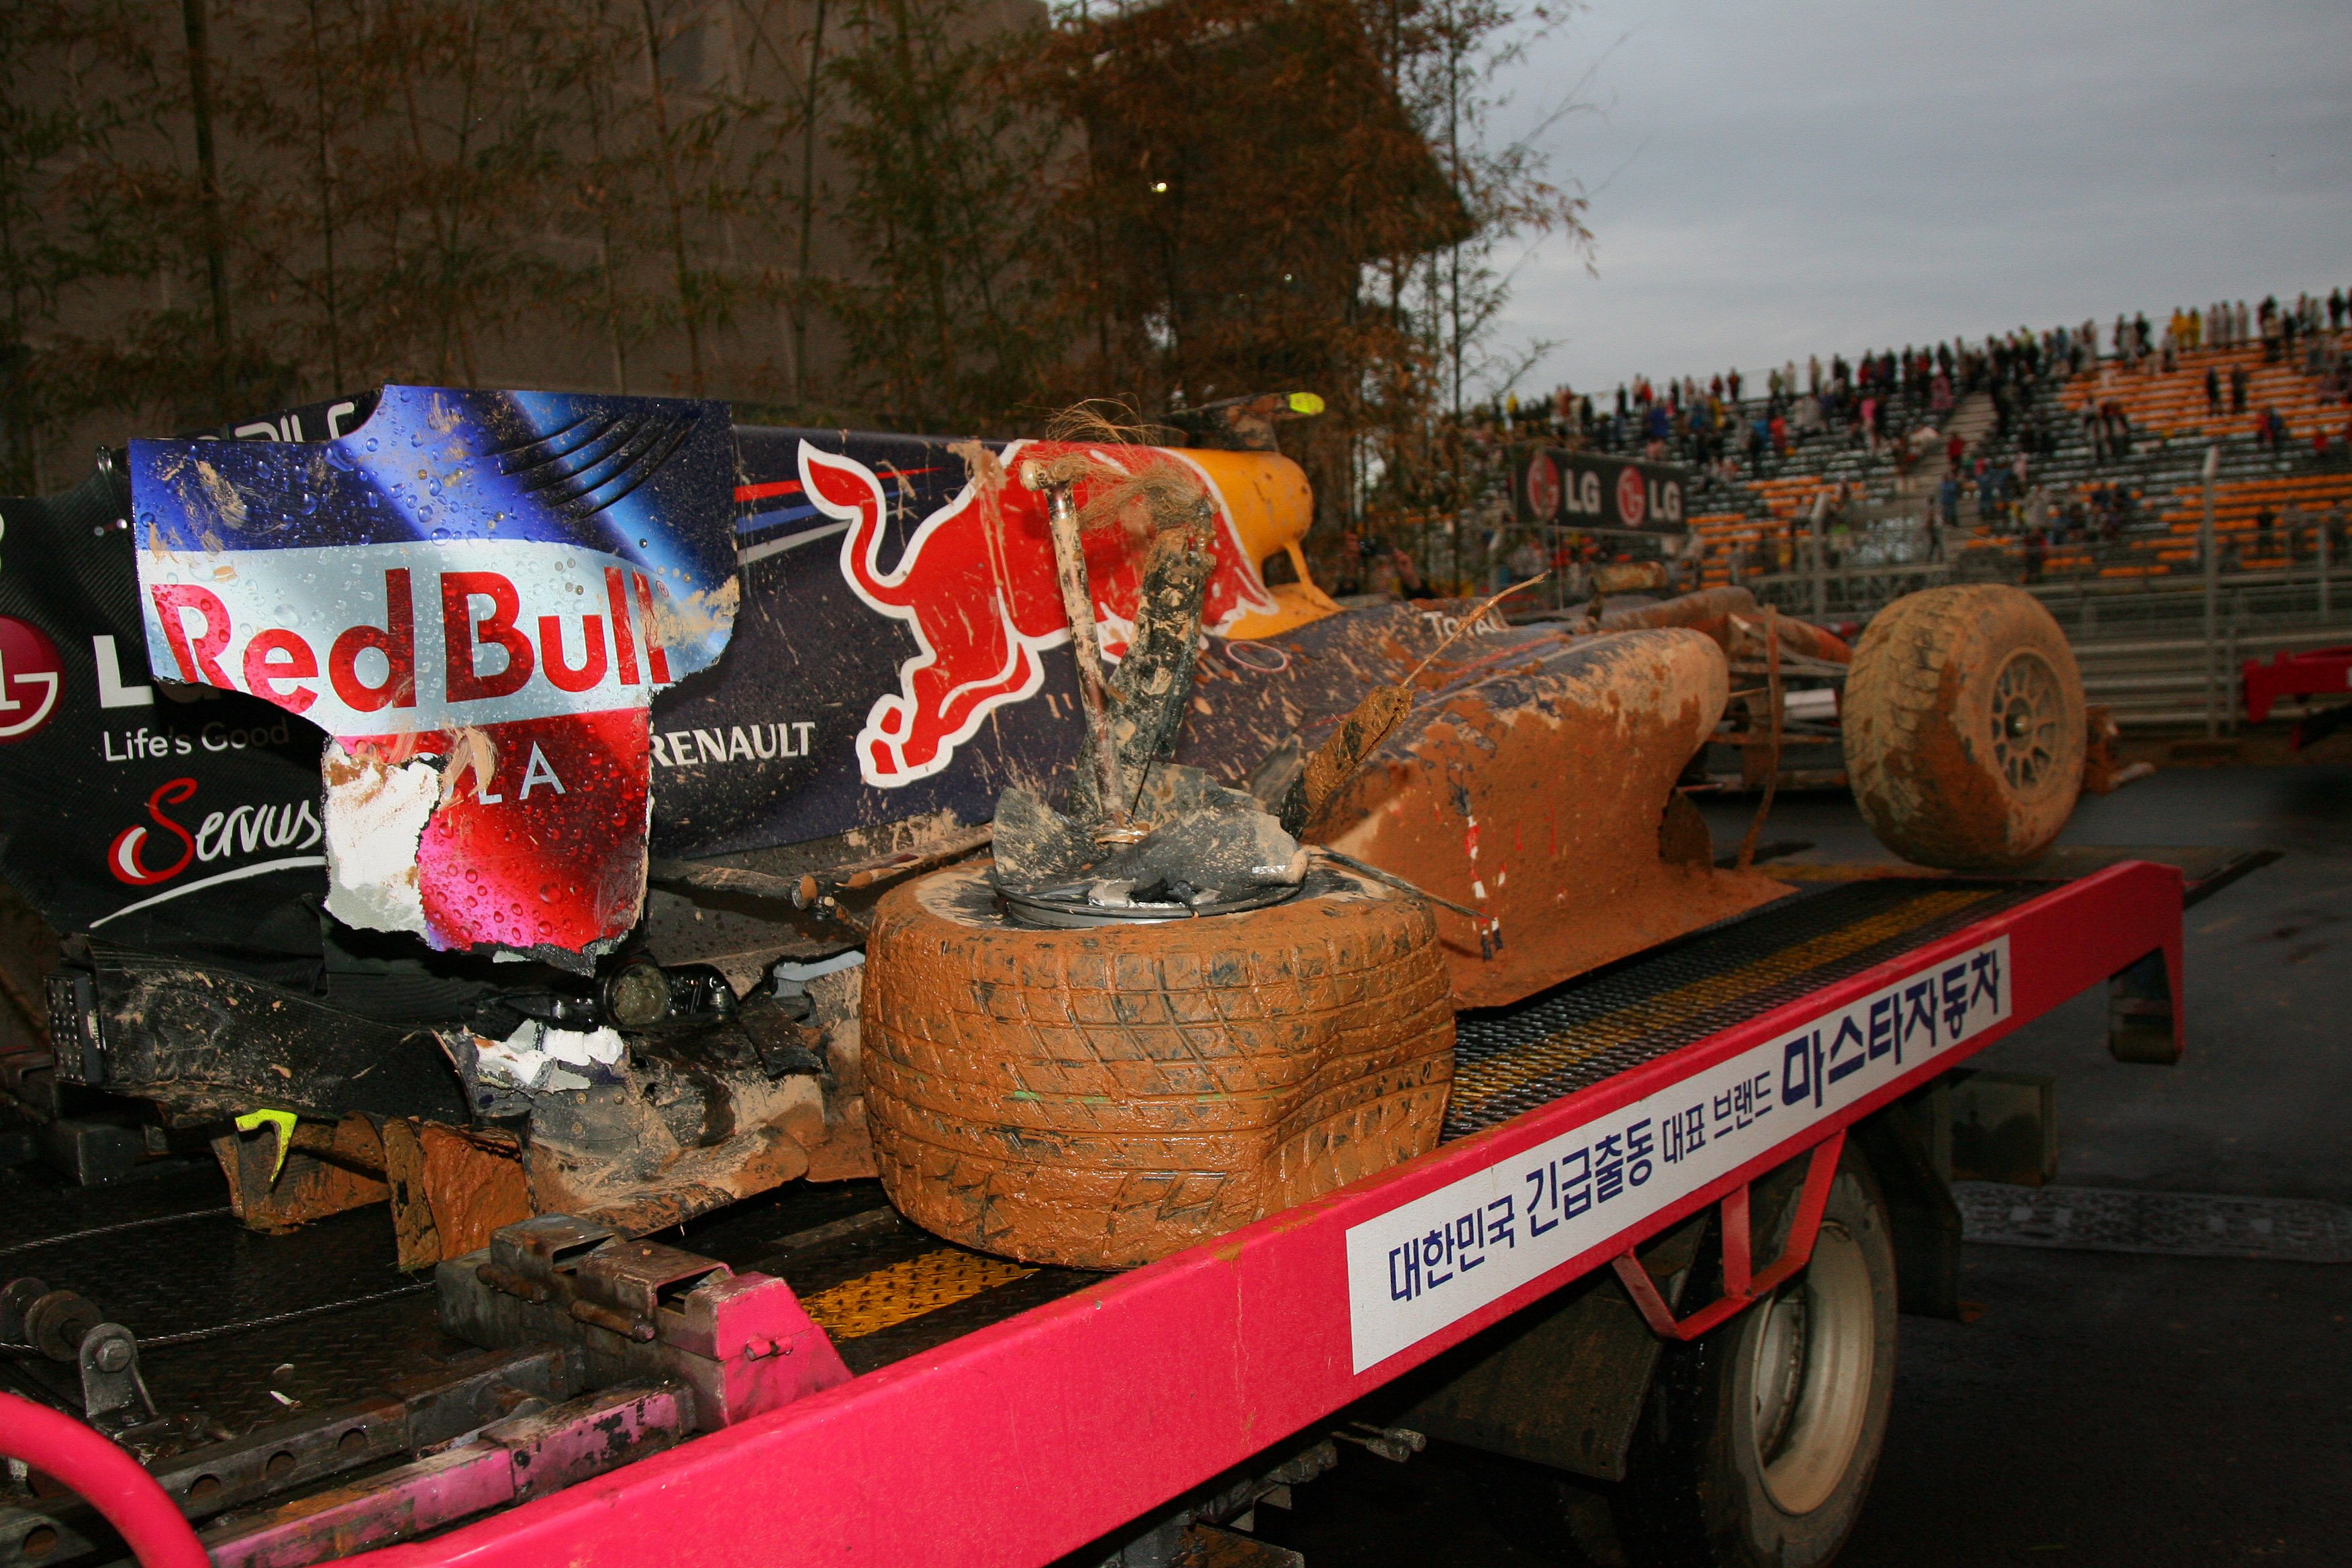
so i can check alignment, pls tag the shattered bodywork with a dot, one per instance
(416, 587)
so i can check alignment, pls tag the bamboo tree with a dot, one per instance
(297, 99)
(665, 151)
(597, 69)
(955, 315)
(781, 135)
(195, 21)
(323, 176)
(801, 294)
(77, 78)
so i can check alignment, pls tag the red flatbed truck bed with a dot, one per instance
(1007, 1415)
(1025, 1440)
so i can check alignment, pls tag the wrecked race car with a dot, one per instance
(489, 809)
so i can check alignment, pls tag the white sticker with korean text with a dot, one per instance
(1432, 1262)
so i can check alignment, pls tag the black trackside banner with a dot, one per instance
(1552, 487)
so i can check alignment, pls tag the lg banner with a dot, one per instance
(1552, 487)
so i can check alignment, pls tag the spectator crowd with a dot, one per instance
(1894, 402)
(1897, 406)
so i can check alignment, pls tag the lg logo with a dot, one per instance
(1632, 501)
(31, 676)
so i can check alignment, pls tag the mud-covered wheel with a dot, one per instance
(1104, 1096)
(1964, 728)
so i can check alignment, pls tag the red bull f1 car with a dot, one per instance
(477, 802)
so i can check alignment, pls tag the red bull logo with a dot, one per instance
(976, 586)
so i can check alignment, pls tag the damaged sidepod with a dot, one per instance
(1533, 794)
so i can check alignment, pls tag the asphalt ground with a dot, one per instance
(2102, 1409)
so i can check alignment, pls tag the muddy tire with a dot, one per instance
(1964, 728)
(1105, 1097)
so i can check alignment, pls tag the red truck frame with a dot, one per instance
(1023, 1441)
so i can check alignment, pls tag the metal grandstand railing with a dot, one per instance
(1863, 571)
(2161, 652)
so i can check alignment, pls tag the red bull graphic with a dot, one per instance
(517, 631)
(541, 842)
(488, 588)
(975, 584)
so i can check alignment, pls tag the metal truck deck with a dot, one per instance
(1004, 1413)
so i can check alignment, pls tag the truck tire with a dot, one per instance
(1964, 728)
(1760, 1440)
(1103, 1096)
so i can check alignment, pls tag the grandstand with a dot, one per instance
(2171, 427)
(2116, 555)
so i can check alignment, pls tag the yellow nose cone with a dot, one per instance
(1272, 506)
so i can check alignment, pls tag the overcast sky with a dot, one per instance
(1770, 181)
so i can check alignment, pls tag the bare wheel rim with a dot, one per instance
(1815, 1351)
(2029, 713)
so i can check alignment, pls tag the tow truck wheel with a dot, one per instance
(1964, 728)
(1761, 1438)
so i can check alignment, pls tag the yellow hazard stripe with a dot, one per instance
(887, 1297)
(1477, 1081)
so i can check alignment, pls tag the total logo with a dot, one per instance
(31, 677)
(162, 848)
